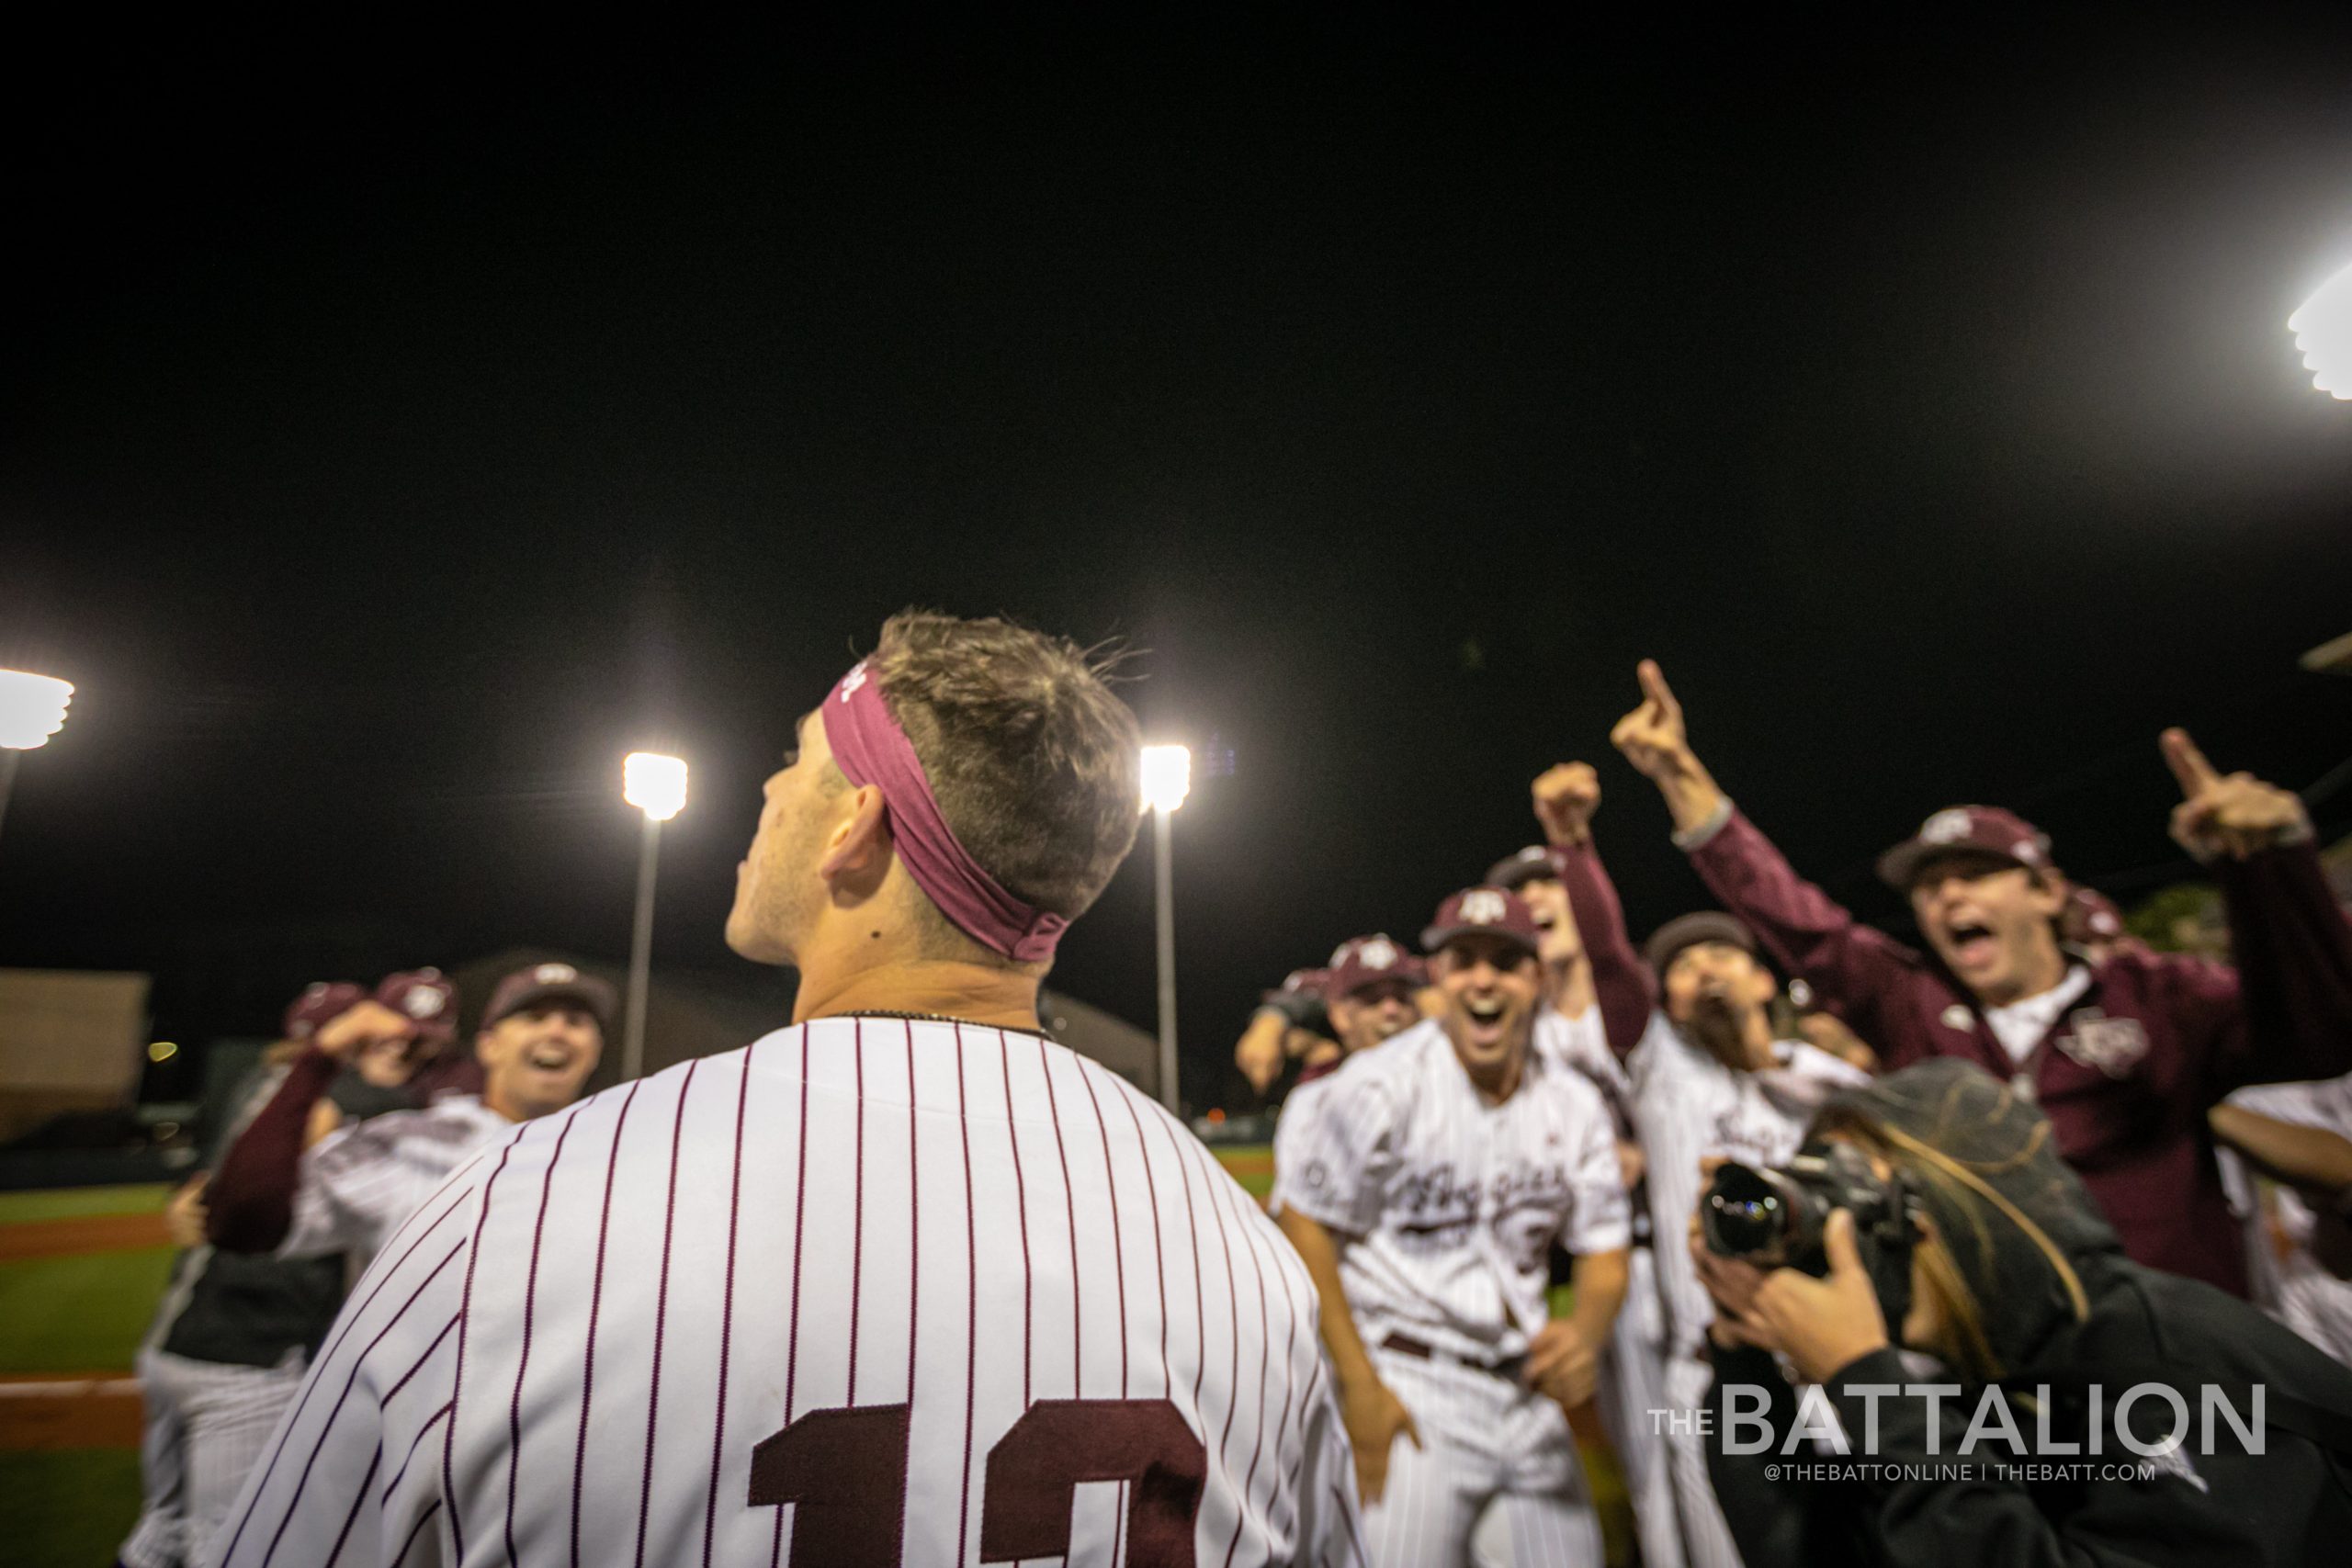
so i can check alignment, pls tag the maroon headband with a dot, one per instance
(869, 748)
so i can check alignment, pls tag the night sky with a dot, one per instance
(396, 430)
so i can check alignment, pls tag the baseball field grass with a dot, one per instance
(72, 1313)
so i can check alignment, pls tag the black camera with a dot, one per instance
(1775, 1218)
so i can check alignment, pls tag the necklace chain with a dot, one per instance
(946, 1018)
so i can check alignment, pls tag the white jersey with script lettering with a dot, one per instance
(870, 1291)
(1452, 1205)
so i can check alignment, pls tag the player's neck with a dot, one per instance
(977, 993)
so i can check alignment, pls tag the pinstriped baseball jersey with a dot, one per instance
(1692, 1108)
(870, 1291)
(1455, 1203)
(2311, 1301)
(363, 1180)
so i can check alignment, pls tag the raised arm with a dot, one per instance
(1808, 932)
(252, 1196)
(1565, 798)
(2286, 1015)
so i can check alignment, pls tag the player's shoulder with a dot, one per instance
(1389, 1069)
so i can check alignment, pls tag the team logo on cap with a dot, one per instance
(423, 1002)
(853, 680)
(2028, 850)
(554, 974)
(1946, 827)
(1483, 907)
(1377, 954)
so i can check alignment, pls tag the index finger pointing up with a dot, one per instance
(1655, 688)
(2189, 767)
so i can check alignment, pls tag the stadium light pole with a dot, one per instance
(1167, 779)
(656, 786)
(2323, 329)
(32, 708)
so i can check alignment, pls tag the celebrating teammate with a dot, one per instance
(540, 1038)
(1443, 1166)
(1597, 1031)
(1372, 989)
(2126, 1054)
(896, 1283)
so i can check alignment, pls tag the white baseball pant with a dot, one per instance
(1632, 1390)
(1495, 1482)
(1706, 1537)
(207, 1424)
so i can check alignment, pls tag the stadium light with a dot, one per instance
(2323, 329)
(656, 786)
(1167, 780)
(1167, 776)
(32, 708)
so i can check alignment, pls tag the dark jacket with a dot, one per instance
(2128, 1074)
(2290, 1504)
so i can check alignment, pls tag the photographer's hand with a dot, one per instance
(1821, 1325)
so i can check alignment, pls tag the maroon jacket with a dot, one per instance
(1623, 985)
(2128, 1072)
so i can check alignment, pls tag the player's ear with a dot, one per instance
(857, 848)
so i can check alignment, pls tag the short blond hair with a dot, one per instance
(1033, 758)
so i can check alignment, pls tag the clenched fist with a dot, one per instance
(1566, 797)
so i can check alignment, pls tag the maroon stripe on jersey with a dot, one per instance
(660, 1312)
(857, 1207)
(416, 1529)
(1070, 1202)
(799, 1213)
(1290, 1358)
(523, 1358)
(914, 1210)
(417, 1442)
(971, 1295)
(595, 1304)
(1192, 1230)
(350, 1319)
(458, 1377)
(1118, 1246)
(1265, 1337)
(1233, 1310)
(1020, 1203)
(358, 1361)
(726, 1312)
(1159, 1251)
(357, 1498)
(417, 1366)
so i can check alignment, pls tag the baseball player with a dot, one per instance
(1443, 1167)
(540, 1038)
(2127, 1055)
(1372, 989)
(1716, 1085)
(226, 1351)
(906, 1281)
(1598, 1030)
(2299, 1135)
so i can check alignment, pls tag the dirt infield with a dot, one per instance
(97, 1410)
(87, 1232)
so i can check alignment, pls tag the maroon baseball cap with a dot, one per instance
(551, 982)
(1966, 829)
(1488, 911)
(1533, 863)
(1689, 930)
(1368, 960)
(321, 1003)
(427, 998)
(2090, 916)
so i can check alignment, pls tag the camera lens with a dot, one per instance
(1745, 1215)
